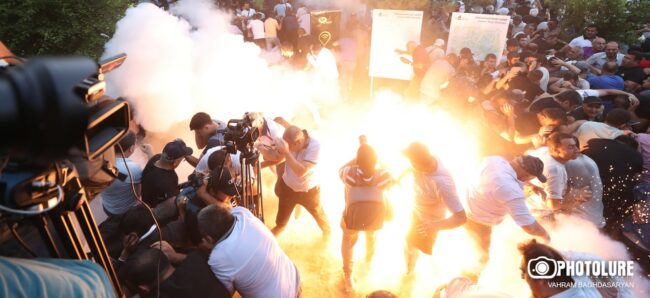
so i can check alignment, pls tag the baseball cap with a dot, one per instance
(532, 165)
(439, 43)
(175, 150)
(592, 99)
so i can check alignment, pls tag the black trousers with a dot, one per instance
(288, 199)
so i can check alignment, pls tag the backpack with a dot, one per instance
(366, 209)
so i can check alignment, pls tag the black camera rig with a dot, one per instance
(58, 130)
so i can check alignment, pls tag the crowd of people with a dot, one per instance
(563, 129)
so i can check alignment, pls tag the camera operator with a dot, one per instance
(244, 255)
(207, 134)
(159, 178)
(298, 184)
(214, 157)
(180, 275)
(219, 189)
(216, 188)
(118, 197)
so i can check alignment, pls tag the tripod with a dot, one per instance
(251, 185)
(251, 195)
(58, 226)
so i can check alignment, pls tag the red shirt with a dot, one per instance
(421, 61)
(645, 63)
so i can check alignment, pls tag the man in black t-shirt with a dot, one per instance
(159, 179)
(620, 164)
(191, 277)
(550, 42)
(208, 133)
(567, 100)
(630, 69)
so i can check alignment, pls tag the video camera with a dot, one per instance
(240, 135)
(58, 130)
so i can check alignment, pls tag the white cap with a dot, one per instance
(534, 12)
(439, 43)
(503, 11)
(437, 54)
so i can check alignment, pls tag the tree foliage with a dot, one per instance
(400, 4)
(616, 19)
(62, 27)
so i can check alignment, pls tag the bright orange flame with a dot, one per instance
(390, 125)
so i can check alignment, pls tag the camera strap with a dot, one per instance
(151, 230)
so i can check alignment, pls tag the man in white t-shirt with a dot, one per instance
(322, 60)
(584, 41)
(271, 28)
(299, 184)
(435, 194)
(436, 76)
(583, 173)
(118, 197)
(517, 25)
(245, 14)
(244, 255)
(304, 19)
(498, 193)
(561, 148)
(617, 123)
(256, 27)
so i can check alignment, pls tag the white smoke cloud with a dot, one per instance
(157, 73)
(192, 60)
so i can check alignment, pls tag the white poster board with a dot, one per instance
(391, 30)
(481, 33)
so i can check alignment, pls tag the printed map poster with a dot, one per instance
(392, 30)
(481, 33)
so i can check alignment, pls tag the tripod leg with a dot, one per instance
(65, 228)
(43, 228)
(96, 243)
(260, 201)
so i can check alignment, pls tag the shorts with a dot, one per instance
(423, 242)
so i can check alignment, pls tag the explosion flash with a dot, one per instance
(390, 125)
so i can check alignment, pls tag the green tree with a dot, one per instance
(616, 19)
(59, 27)
(400, 4)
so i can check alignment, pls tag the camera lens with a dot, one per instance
(542, 268)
